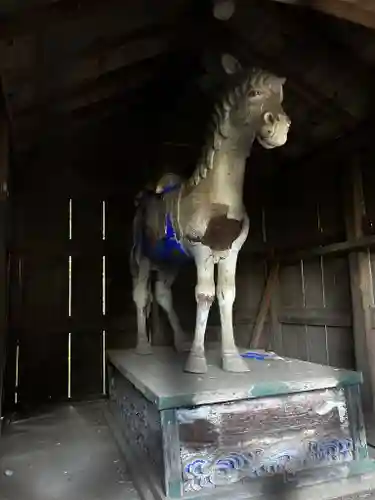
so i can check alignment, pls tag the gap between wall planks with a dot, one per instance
(360, 282)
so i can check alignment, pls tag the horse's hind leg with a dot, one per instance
(163, 295)
(142, 297)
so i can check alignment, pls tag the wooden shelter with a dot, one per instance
(96, 98)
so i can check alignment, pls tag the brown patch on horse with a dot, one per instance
(221, 232)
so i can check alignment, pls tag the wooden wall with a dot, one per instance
(70, 293)
(313, 302)
(71, 290)
(64, 313)
(4, 237)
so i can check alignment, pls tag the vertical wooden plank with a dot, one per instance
(314, 298)
(291, 296)
(120, 308)
(369, 218)
(86, 297)
(250, 282)
(340, 347)
(41, 311)
(43, 368)
(360, 283)
(294, 341)
(317, 344)
(45, 284)
(336, 282)
(86, 363)
(291, 286)
(312, 284)
(4, 174)
(276, 343)
(121, 315)
(258, 338)
(331, 221)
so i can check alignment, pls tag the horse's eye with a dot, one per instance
(254, 93)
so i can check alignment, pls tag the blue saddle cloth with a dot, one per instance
(168, 248)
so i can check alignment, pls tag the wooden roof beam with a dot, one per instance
(94, 89)
(30, 19)
(356, 11)
(303, 50)
(87, 104)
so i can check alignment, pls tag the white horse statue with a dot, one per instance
(204, 218)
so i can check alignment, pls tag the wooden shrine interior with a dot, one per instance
(97, 98)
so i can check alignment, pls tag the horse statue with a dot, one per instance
(204, 219)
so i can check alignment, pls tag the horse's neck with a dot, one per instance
(225, 180)
(223, 184)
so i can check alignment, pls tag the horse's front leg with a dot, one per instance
(226, 294)
(204, 296)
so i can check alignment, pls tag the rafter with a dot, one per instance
(125, 49)
(94, 89)
(33, 17)
(301, 50)
(356, 11)
(83, 110)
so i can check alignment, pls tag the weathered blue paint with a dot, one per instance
(169, 248)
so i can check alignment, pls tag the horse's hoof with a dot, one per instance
(196, 364)
(143, 349)
(234, 363)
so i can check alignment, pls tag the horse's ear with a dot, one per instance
(281, 82)
(230, 64)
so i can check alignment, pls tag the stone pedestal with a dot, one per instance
(286, 424)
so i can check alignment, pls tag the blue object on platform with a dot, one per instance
(168, 248)
(256, 355)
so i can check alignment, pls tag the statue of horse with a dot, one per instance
(204, 219)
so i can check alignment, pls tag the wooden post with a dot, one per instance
(4, 169)
(271, 284)
(360, 284)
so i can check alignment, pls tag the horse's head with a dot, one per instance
(256, 103)
(263, 102)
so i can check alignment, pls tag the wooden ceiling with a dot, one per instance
(357, 11)
(68, 64)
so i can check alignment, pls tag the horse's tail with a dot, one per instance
(136, 250)
(138, 220)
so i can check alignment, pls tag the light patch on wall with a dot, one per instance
(324, 305)
(321, 230)
(303, 283)
(16, 382)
